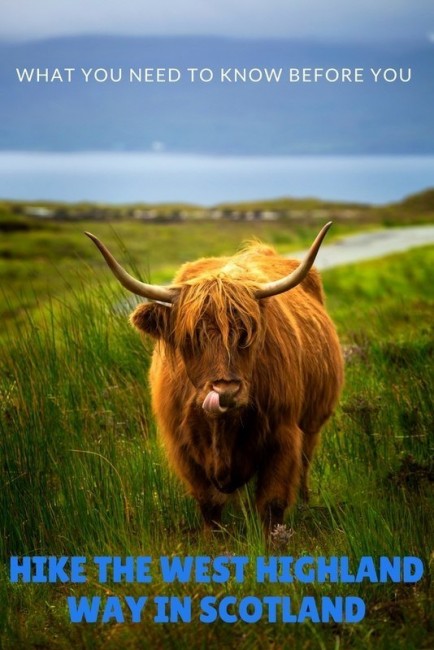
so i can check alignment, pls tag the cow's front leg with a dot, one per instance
(211, 510)
(208, 498)
(279, 477)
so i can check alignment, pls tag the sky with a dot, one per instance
(335, 20)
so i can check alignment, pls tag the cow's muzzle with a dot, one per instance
(227, 391)
(222, 396)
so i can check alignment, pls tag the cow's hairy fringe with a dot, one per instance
(221, 305)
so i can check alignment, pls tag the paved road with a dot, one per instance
(368, 246)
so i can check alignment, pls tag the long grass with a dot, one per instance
(83, 473)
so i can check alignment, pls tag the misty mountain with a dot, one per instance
(215, 118)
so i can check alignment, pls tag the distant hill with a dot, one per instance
(418, 208)
(420, 202)
(216, 118)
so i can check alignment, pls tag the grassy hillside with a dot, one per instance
(39, 255)
(43, 260)
(83, 473)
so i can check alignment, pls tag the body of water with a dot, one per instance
(125, 177)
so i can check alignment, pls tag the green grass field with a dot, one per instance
(83, 473)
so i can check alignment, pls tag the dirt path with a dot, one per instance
(368, 246)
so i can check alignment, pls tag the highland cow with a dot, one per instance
(246, 370)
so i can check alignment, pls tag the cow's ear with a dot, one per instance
(152, 318)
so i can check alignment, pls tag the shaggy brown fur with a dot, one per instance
(279, 367)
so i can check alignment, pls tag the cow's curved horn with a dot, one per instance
(150, 291)
(290, 281)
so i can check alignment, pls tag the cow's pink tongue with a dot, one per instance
(211, 401)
